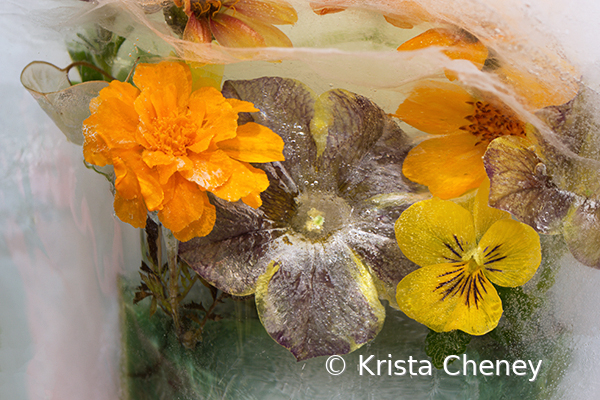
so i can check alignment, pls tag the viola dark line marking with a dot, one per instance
(493, 269)
(482, 282)
(493, 250)
(449, 272)
(494, 260)
(452, 259)
(476, 293)
(450, 290)
(458, 243)
(441, 285)
(452, 250)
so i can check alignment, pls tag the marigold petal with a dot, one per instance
(210, 169)
(435, 231)
(464, 46)
(436, 107)
(154, 158)
(219, 120)
(510, 252)
(253, 200)
(95, 150)
(448, 165)
(200, 227)
(133, 211)
(244, 180)
(444, 297)
(233, 32)
(241, 106)
(184, 205)
(156, 77)
(115, 122)
(268, 12)
(254, 143)
(129, 164)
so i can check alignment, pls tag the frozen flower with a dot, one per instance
(170, 146)
(451, 163)
(461, 255)
(237, 23)
(320, 252)
(553, 184)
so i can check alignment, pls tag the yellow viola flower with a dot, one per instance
(461, 253)
(451, 163)
(237, 23)
(170, 146)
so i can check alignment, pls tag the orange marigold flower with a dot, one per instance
(170, 146)
(451, 163)
(237, 23)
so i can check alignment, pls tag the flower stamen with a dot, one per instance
(490, 122)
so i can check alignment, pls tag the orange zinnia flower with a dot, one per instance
(237, 23)
(451, 163)
(169, 146)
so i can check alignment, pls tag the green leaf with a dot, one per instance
(439, 345)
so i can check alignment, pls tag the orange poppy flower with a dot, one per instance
(237, 23)
(170, 146)
(451, 163)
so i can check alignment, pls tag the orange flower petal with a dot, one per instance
(241, 106)
(125, 92)
(464, 45)
(156, 77)
(133, 211)
(448, 165)
(233, 32)
(268, 12)
(436, 107)
(244, 180)
(200, 227)
(324, 9)
(219, 119)
(253, 200)
(409, 14)
(115, 122)
(95, 150)
(254, 143)
(129, 164)
(272, 36)
(185, 205)
(210, 169)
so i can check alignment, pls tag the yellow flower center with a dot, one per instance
(318, 216)
(172, 135)
(490, 122)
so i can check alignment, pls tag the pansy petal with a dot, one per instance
(445, 298)
(254, 143)
(301, 291)
(485, 216)
(155, 77)
(268, 12)
(511, 253)
(520, 185)
(448, 165)
(286, 107)
(379, 173)
(345, 127)
(244, 179)
(435, 231)
(436, 107)
(582, 233)
(233, 32)
(231, 257)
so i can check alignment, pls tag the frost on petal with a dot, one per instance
(231, 257)
(519, 184)
(286, 107)
(582, 233)
(316, 307)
